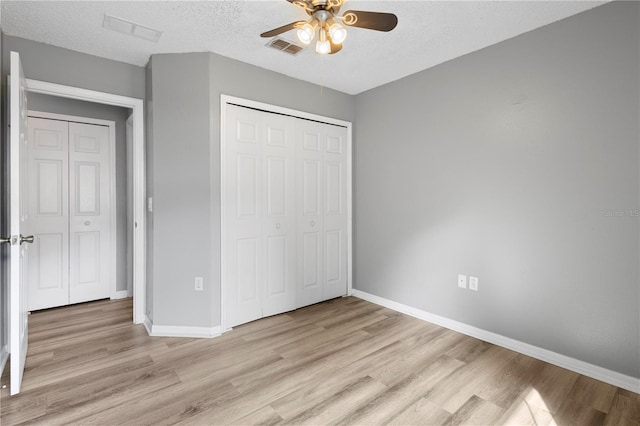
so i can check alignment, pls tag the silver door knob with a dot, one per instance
(5, 240)
(277, 226)
(312, 223)
(28, 239)
(87, 223)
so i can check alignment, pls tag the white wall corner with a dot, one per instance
(596, 372)
(122, 294)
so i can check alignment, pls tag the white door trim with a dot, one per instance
(226, 99)
(112, 184)
(139, 183)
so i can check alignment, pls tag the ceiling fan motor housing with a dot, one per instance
(322, 15)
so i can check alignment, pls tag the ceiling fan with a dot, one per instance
(325, 21)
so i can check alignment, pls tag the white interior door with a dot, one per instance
(48, 207)
(335, 212)
(18, 315)
(243, 227)
(260, 218)
(322, 211)
(89, 212)
(310, 178)
(279, 217)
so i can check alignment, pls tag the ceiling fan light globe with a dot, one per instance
(338, 33)
(323, 47)
(306, 33)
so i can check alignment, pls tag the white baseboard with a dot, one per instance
(148, 324)
(180, 331)
(121, 294)
(599, 373)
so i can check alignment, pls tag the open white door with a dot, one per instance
(17, 281)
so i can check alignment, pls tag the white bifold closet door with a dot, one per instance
(322, 215)
(69, 212)
(261, 221)
(285, 213)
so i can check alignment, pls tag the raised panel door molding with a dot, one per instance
(87, 256)
(87, 144)
(87, 179)
(50, 270)
(48, 187)
(48, 140)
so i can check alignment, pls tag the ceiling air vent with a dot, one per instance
(285, 46)
(131, 28)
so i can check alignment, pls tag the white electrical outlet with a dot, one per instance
(199, 283)
(473, 283)
(462, 281)
(150, 204)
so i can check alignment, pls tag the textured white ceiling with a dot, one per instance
(428, 33)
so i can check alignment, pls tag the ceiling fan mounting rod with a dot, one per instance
(320, 4)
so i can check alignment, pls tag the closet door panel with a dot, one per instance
(310, 200)
(48, 213)
(243, 226)
(335, 212)
(90, 212)
(279, 219)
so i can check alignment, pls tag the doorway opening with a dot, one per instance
(78, 204)
(136, 220)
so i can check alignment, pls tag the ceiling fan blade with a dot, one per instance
(282, 29)
(378, 21)
(335, 48)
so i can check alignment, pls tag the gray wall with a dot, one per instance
(57, 65)
(44, 103)
(507, 164)
(186, 174)
(181, 189)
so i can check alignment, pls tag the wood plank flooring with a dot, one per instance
(342, 362)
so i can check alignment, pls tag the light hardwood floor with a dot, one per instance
(345, 361)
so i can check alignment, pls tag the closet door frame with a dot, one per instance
(112, 183)
(232, 100)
